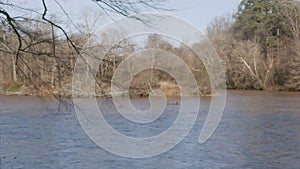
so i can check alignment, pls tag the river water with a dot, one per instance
(258, 130)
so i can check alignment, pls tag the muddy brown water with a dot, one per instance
(258, 130)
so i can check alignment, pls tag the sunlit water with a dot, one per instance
(258, 130)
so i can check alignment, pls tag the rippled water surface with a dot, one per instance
(258, 130)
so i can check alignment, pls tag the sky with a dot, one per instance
(201, 12)
(198, 12)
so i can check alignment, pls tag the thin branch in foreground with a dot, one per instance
(57, 26)
(10, 21)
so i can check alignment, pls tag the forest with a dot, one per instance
(259, 46)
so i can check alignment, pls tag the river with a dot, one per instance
(258, 130)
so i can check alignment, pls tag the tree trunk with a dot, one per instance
(14, 68)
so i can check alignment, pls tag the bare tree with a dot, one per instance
(290, 13)
(33, 57)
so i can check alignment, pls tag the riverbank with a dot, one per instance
(171, 91)
(15, 89)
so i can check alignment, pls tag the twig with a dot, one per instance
(57, 26)
(10, 22)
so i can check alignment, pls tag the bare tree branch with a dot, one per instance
(57, 26)
(11, 23)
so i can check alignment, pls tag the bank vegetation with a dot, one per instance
(259, 45)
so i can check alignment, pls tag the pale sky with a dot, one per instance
(197, 12)
(201, 12)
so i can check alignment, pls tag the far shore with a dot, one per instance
(133, 96)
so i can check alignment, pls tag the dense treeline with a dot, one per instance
(260, 46)
(46, 66)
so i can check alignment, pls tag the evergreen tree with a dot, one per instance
(258, 20)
